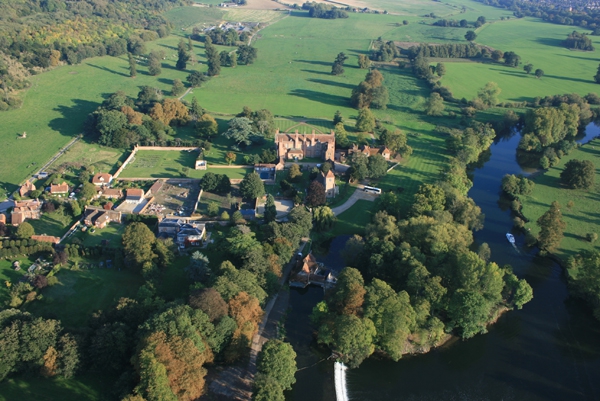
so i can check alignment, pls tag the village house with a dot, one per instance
(328, 181)
(102, 179)
(59, 189)
(309, 271)
(185, 232)
(26, 188)
(368, 151)
(46, 238)
(298, 146)
(134, 195)
(99, 217)
(2, 218)
(111, 193)
(27, 209)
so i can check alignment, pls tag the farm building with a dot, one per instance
(134, 195)
(26, 188)
(298, 146)
(102, 179)
(99, 217)
(27, 209)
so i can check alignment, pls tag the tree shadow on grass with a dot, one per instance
(550, 42)
(317, 72)
(314, 62)
(580, 58)
(332, 83)
(321, 97)
(71, 122)
(108, 70)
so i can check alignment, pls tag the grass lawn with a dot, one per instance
(538, 43)
(354, 220)
(81, 292)
(55, 223)
(168, 164)
(112, 232)
(89, 387)
(583, 218)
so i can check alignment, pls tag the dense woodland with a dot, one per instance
(35, 35)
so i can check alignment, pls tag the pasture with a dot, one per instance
(88, 387)
(538, 43)
(582, 218)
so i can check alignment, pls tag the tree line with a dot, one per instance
(463, 23)
(320, 10)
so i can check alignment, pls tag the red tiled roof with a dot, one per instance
(59, 189)
(45, 238)
(101, 178)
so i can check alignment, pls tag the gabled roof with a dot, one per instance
(59, 189)
(26, 188)
(101, 178)
(156, 187)
(112, 192)
(45, 238)
(135, 193)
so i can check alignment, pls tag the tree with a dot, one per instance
(315, 195)
(528, 68)
(597, 76)
(497, 55)
(470, 36)
(132, 65)
(210, 302)
(338, 64)
(252, 186)
(196, 110)
(241, 130)
(177, 88)
(469, 311)
(440, 69)
(246, 55)
(198, 269)
(428, 198)
(155, 63)
(267, 389)
(512, 59)
(138, 242)
(434, 105)
(578, 174)
(270, 209)
(182, 55)
(295, 174)
(25, 231)
(370, 92)
(365, 121)
(230, 158)
(377, 166)
(337, 117)
(539, 73)
(489, 94)
(552, 227)
(324, 219)
(351, 337)
(196, 78)
(277, 360)
(75, 208)
(207, 126)
(341, 136)
(363, 62)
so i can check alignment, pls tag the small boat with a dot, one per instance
(510, 238)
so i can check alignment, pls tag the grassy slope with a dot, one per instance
(583, 218)
(90, 387)
(538, 43)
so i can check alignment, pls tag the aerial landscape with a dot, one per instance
(330, 200)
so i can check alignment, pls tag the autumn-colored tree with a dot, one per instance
(246, 311)
(210, 302)
(230, 157)
(50, 366)
(349, 292)
(133, 117)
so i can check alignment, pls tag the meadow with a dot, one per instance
(538, 43)
(582, 218)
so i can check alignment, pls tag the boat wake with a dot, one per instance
(341, 391)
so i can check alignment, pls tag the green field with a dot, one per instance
(90, 387)
(55, 223)
(112, 233)
(81, 154)
(538, 43)
(354, 220)
(79, 293)
(583, 218)
(168, 164)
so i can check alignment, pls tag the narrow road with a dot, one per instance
(359, 194)
(59, 154)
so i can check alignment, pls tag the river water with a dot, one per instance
(549, 350)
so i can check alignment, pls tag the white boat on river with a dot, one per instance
(510, 238)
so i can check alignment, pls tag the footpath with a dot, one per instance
(235, 382)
